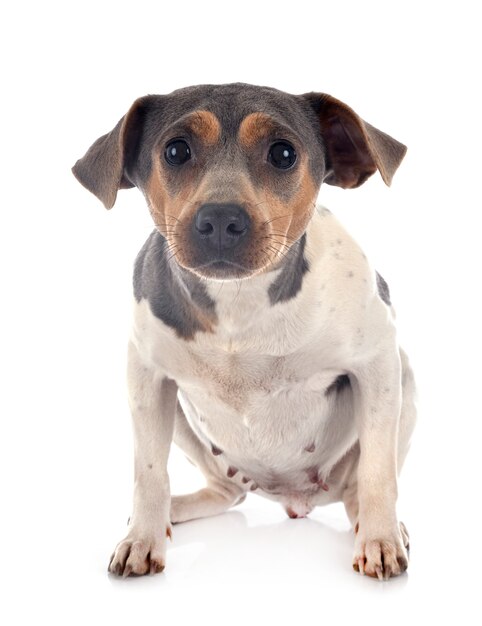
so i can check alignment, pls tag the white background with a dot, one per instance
(69, 72)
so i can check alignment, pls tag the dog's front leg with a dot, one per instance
(379, 549)
(152, 400)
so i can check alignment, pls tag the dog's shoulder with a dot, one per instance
(339, 260)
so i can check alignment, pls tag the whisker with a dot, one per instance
(222, 285)
(278, 251)
(275, 232)
(274, 218)
(281, 243)
(174, 252)
(276, 241)
(239, 283)
(267, 260)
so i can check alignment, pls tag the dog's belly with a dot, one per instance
(281, 439)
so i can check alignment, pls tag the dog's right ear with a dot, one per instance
(102, 169)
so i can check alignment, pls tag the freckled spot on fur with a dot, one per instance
(332, 309)
(232, 471)
(253, 487)
(335, 255)
(311, 447)
(150, 466)
(215, 450)
(245, 480)
(350, 274)
(387, 390)
(339, 242)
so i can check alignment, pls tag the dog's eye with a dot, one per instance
(282, 155)
(177, 152)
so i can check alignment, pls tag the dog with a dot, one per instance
(263, 342)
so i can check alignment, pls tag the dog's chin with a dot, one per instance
(223, 270)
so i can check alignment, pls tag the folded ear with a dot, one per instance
(355, 149)
(102, 168)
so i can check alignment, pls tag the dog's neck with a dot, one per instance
(239, 303)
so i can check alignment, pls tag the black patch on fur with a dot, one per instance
(340, 383)
(383, 290)
(174, 294)
(289, 281)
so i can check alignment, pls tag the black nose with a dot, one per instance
(221, 226)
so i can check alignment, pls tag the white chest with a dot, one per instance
(279, 420)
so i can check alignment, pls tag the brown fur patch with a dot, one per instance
(253, 128)
(287, 219)
(206, 126)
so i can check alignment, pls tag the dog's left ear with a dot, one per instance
(355, 149)
(102, 169)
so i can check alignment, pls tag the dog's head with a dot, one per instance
(231, 172)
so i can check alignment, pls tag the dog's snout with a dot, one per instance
(221, 226)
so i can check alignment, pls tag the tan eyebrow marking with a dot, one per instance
(254, 127)
(206, 126)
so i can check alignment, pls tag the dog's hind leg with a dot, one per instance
(219, 495)
(203, 503)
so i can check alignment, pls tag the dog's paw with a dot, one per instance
(381, 556)
(140, 553)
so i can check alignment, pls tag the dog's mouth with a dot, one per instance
(223, 242)
(252, 258)
(222, 269)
